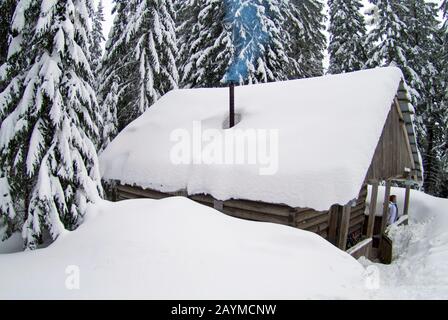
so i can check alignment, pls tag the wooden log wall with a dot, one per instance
(305, 219)
(327, 224)
(358, 217)
(392, 154)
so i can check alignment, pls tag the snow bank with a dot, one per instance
(422, 207)
(177, 249)
(420, 267)
(12, 245)
(328, 130)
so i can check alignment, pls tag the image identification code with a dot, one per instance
(224, 310)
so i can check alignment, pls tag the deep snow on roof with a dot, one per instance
(328, 129)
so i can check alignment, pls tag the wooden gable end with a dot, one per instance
(393, 156)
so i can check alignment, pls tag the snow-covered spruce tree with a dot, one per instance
(348, 46)
(49, 115)
(109, 113)
(426, 48)
(308, 43)
(258, 39)
(7, 8)
(444, 35)
(406, 34)
(443, 192)
(141, 56)
(444, 32)
(444, 8)
(432, 115)
(247, 36)
(390, 41)
(8, 216)
(114, 72)
(151, 38)
(205, 47)
(97, 37)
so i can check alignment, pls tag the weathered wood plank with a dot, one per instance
(407, 199)
(372, 208)
(385, 250)
(138, 192)
(202, 198)
(333, 224)
(207, 204)
(321, 230)
(406, 135)
(309, 216)
(392, 154)
(272, 209)
(127, 195)
(324, 234)
(137, 195)
(358, 210)
(359, 221)
(344, 228)
(363, 193)
(255, 216)
(362, 249)
(323, 219)
(218, 205)
(385, 216)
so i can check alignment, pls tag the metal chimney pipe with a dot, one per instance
(232, 105)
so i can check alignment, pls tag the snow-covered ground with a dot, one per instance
(175, 248)
(12, 245)
(178, 249)
(420, 267)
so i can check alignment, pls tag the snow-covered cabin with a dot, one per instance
(336, 134)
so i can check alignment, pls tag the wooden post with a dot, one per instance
(373, 202)
(218, 205)
(292, 218)
(406, 199)
(345, 224)
(385, 217)
(333, 224)
(232, 105)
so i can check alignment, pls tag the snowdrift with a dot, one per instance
(422, 206)
(177, 249)
(12, 245)
(420, 267)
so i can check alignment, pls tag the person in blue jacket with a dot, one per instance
(393, 210)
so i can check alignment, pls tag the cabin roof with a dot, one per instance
(328, 129)
(408, 113)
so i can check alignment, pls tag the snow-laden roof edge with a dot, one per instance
(408, 112)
